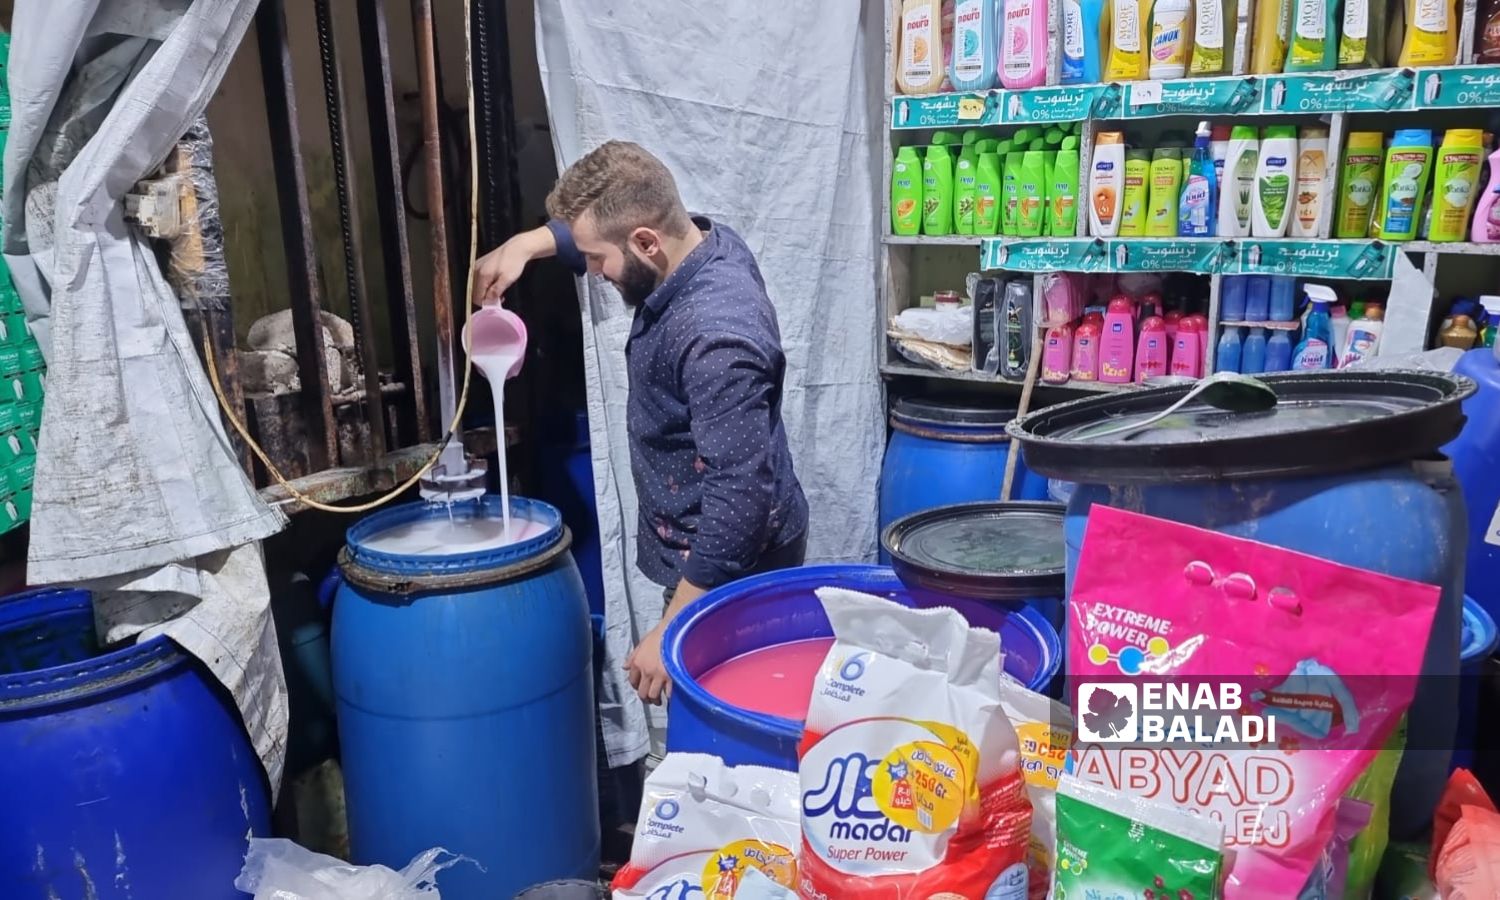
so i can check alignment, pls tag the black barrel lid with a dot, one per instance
(949, 411)
(1327, 421)
(982, 551)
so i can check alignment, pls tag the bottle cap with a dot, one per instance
(1288, 131)
(1222, 132)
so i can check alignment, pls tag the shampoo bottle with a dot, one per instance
(1213, 37)
(919, 67)
(1057, 354)
(1200, 192)
(1010, 176)
(1062, 194)
(1312, 180)
(987, 194)
(1431, 33)
(965, 173)
(1086, 350)
(1083, 41)
(1315, 350)
(1487, 33)
(1187, 352)
(1363, 340)
(1407, 165)
(1455, 184)
(906, 192)
(1362, 37)
(1227, 357)
(1253, 354)
(1313, 44)
(1166, 189)
(1137, 187)
(1359, 184)
(1127, 41)
(1486, 229)
(937, 191)
(1152, 352)
(1106, 179)
(1238, 194)
(1279, 352)
(1031, 191)
(975, 49)
(1269, 36)
(1272, 208)
(1117, 344)
(1171, 38)
(1024, 44)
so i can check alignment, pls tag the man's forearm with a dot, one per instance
(682, 597)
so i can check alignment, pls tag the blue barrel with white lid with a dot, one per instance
(947, 450)
(1345, 468)
(1476, 463)
(126, 772)
(464, 681)
(780, 608)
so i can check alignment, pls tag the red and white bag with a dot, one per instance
(704, 825)
(911, 784)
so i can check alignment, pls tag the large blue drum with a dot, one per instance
(125, 773)
(465, 696)
(1344, 468)
(1476, 462)
(946, 451)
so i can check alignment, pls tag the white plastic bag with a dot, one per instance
(279, 869)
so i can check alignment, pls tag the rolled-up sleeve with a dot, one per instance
(730, 384)
(567, 250)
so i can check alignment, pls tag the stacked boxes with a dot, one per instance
(22, 372)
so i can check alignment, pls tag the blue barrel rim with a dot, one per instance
(488, 506)
(1480, 635)
(869, 578)
(111, 670)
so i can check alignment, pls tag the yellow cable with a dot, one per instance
(463, 398)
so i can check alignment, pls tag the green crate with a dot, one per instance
(32, 359)
(29, 415)
(13, 329)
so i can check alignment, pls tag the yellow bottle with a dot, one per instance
(1431, 33)
(1127, 41)
(1273, 24)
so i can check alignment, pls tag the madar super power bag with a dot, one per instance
(910, 776)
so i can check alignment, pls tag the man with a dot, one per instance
(713, 475)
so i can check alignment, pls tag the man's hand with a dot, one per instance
(497, 271)
(648, 674)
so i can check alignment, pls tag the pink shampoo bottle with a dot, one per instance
(1486, 228)
(1117, 343)
(1152, 353)
(1023, 45)
(1187, 355)
(1086, 350)
(1057, 354)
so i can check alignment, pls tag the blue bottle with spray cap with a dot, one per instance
(1315, 350)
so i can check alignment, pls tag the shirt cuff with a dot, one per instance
(567, 251)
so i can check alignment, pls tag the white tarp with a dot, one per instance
(138, 494)
(764, 112)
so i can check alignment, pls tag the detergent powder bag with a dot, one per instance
(1044, 729)
(1222, 676)
(910, 770)
(704, 826)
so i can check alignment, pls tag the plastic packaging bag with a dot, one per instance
(911, 780)
(1462, 790)
(1164, 603)
(1330, 876)
(279, 869)
(1111, 844)
(1469, 866)
(1374, 787)
(1044, 729)
(704, 826)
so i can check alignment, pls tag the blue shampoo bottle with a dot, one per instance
(976, 45)
(1082, 42)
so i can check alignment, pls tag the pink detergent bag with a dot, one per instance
(1281, 703)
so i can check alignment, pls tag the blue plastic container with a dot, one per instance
(780, 607)
(943, 452)
(1476, 463)
(1479, 640)
(124, 774)
(566, 469)
(466, 704)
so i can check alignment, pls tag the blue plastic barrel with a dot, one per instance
(1476, 463)
(1479, 640)
(466, 705)
(946, 451)
(566, 469)
(778, 608)
(124, 774)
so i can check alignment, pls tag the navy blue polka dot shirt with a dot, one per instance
(713, 473)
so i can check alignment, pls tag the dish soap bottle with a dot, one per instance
(1213, 37)
(919, 66)
(1314, 43)
(1106, 178)
(1312, 180)
(1024, 44)
(1200, 194)
(1431, 34)
(1359, 184)
(1127, 41)
(1407, 165)
(1171, 38)
(1271, 209)
(1363, 338)
(1315, 350)
(937, 191)
(906, 192)
(1456, 183)
(1238, 191)
(975, 50)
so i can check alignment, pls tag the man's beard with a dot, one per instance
(637, 281)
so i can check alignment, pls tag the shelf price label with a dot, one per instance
(1059, 104)
(1196, 96)
(1453, 88)
(945, 110)
(1340, 92)
(1043, 255)
(1315, 259)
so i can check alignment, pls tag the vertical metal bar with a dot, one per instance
(296, 231)
(500, 199)
(442, 291)
(348, 201)
(374, 45)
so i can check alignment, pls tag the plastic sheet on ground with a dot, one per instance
(278, 869)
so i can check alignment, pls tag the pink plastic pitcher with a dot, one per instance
(496, 333)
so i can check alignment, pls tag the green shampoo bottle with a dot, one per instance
(937, 191)
(906, 192)
(964, 174)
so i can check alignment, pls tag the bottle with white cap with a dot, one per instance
(1491, 304)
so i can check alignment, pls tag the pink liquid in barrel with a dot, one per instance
(775, 680)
